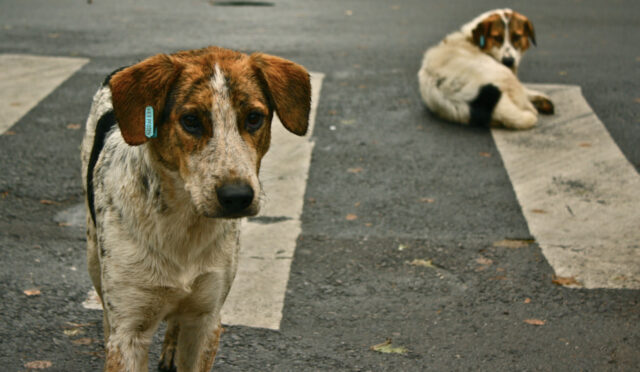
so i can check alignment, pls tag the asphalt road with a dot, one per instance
(421, 190)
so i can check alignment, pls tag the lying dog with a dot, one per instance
(170, 161)
(470, 77)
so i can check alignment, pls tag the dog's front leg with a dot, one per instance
(541, 102)
(133, 315)
(198, 342)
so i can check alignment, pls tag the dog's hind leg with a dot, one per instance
(167, 358)
(481, 108)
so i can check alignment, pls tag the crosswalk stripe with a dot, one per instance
(26, 79)
(579, 194)
(268, 242)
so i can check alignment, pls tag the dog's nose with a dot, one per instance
(235, 198)
(508, 61)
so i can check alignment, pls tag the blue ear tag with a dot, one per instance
(481, 41)
(150, 131)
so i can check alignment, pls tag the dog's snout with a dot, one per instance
(508, 61)
(235, 198)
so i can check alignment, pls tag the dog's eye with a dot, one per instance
(499, 39)
(254, 121)
(192, 124)
(515, 38)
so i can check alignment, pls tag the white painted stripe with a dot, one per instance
(579, 194)
(257, 294)
(25, 80)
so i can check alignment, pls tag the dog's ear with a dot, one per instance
(289, 87)
(529, 31)
(136, 87)
(480, 34)
(519, 21)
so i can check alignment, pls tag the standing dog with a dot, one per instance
(470, 77)
(170, 161)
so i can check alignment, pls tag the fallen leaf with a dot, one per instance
(38, 364)
(564, 280)
(386, 348)
(368, 224)
(362, 86)
(72, 332)
(312, 200)
(427, 200)
(539, 211)
(48, 202)
(64, 224)
(32, 292)
(332, 112)
(83, 341)
(355, 170)
(535, 322)
(562, 73)
(347, 121)
(637, 100)
(485, 154)
(484, 261)
(351, 217)
(9, 133)
(54, 35)
(73, 126)
(356, 204)
(348, 12)
(4, 194)
(584, 144)
(513, 243)
(421, 262)
(15, 104)
(527, 300)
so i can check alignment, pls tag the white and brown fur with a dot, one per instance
(471, 76)
(162, 213)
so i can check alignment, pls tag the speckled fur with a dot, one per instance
(155, 252)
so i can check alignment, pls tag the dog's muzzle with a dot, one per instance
(508, 61)
(235, 199)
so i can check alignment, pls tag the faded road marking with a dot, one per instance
(266, 249)
(25, 80)
(578, 192)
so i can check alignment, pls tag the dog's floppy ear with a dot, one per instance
(530, 32)
(136, 87)
(480, 34)
(289, 87)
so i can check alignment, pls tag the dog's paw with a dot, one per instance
(543, 105)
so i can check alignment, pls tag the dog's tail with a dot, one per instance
(481, 108)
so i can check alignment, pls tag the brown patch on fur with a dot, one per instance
(113, 361)
(257, 83)
(543, 105)
(135, 88)
(492, 29)
(211, 349)
(290, 90)
(521, 31)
